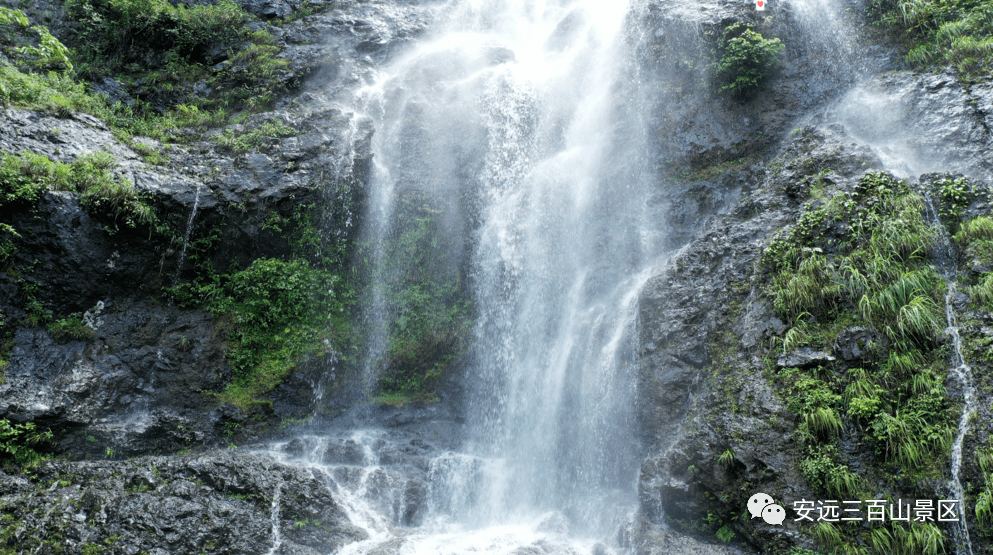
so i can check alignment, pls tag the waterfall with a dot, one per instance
(516, 128)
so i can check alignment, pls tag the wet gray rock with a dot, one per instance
(983, 94)
(697, 127)
(74, 261)
(229, 501)
(268, 9)
(657, 539)
(346, 451)
(804, 357)
(411, 507)
(758, 325)
(712, 419)
(131, 389)
(854, 344)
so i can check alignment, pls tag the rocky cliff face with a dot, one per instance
(716, 411)
(720, 367)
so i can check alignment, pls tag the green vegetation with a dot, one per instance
(984, 499)
(956, 32)
(40, 51)
(244, 142)
(180, 45)
(277, 312)
(18, 442)
(975, 238)
(71, 327)
(160, 53)
(743, 59)
(25, 177)
(863, 258)
(425, 301)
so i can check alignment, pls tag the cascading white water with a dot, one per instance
(277, 539)
(521, 105)
(963, 374)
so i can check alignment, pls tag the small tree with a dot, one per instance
(49, 52)
(743, 59)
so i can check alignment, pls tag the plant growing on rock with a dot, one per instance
(49, 51)
(743, 59)
(24, 179)
(17, 441)
(958, 32)
(863, 259)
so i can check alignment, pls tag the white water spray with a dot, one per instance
(524, 107)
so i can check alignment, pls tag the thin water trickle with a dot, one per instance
(277, 538)
(186, 237)
(963, 374)
(945, 263)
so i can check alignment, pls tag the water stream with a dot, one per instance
(963, 374)
(514, 115)
(277, 538)
(514, 123)
(186, 238)
(898, 161)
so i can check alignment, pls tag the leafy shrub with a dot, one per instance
(958, 32)
(17, 187)
(116, 33)
(157, 50)
(743, 59)
(49, 51)
(280, 312)
(17, 441)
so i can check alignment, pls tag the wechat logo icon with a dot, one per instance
(762, 505)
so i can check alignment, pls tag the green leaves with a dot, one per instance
(244, 142)
(18, 441)
(49, 52)
(863, 259)
(743, 59)
(958, 32)
(24, 179)
(280, 312)
(129, 31)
